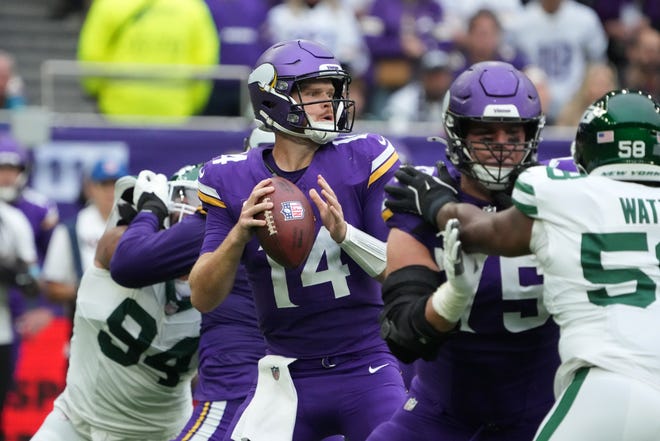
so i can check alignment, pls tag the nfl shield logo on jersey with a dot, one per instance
(276, 372)
(293, 210)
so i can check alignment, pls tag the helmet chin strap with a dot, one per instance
(317, 136)
(321, 136)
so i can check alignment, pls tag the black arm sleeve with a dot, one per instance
(402, 322)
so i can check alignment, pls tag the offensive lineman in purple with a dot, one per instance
(492, 379)
(324, 313)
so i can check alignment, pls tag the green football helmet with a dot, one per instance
(619, 137)
(183, 192)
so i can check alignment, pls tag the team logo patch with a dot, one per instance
(276, 372)
(292, 210)
(605, 136)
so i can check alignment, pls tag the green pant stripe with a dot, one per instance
(564, 405)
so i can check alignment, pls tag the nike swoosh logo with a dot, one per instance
(373, 370)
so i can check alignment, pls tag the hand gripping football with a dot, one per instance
(288, 236)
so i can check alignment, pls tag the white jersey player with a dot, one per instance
(133, 350)
(596, 236)
(561, 37)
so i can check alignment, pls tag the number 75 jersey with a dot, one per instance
(131, 362)
(598, 243)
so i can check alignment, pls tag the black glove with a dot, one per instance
(151, 202)
(126, 212)
(17, 273)
(420, 193)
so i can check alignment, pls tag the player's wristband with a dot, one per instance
(448, 303)
(365, 250)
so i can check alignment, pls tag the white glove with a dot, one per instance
(463, 275)
(150, 182)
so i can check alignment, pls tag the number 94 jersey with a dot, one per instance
(598, 243)
(131, 362)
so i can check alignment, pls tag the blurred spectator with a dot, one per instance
(11, 84)
(242, 39)
(398, 33)
(72, 246)
(484, 42)
(421, 100)
(561, 37)
(598, 80)
(29, 315)
(14, 175)
(457, 15)
(328, 23)
(651, 10)
(42, 215)
(643, 69)
(621, 19)
(359, 7)
(178, 32)
(540, 80)
(17, 256)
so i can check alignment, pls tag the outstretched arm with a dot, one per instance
(506, 233)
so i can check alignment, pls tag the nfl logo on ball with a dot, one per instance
(292, 210)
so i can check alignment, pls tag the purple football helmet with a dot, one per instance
(274, 87)
(491, 91)
(13, 156)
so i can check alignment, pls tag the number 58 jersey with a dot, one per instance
(598, 243)
(133, 356)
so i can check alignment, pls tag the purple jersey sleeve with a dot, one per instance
(145, 256)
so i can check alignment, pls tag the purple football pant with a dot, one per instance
(420, 419)
(350, 396)
(209, 421)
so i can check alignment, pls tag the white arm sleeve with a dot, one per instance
(365, 250)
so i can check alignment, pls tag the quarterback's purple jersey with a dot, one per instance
(498, 370)
(329, 305)
(230, 342)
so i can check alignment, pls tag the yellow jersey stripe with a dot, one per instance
(211, 201)
(380, 171)
(200, 420)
